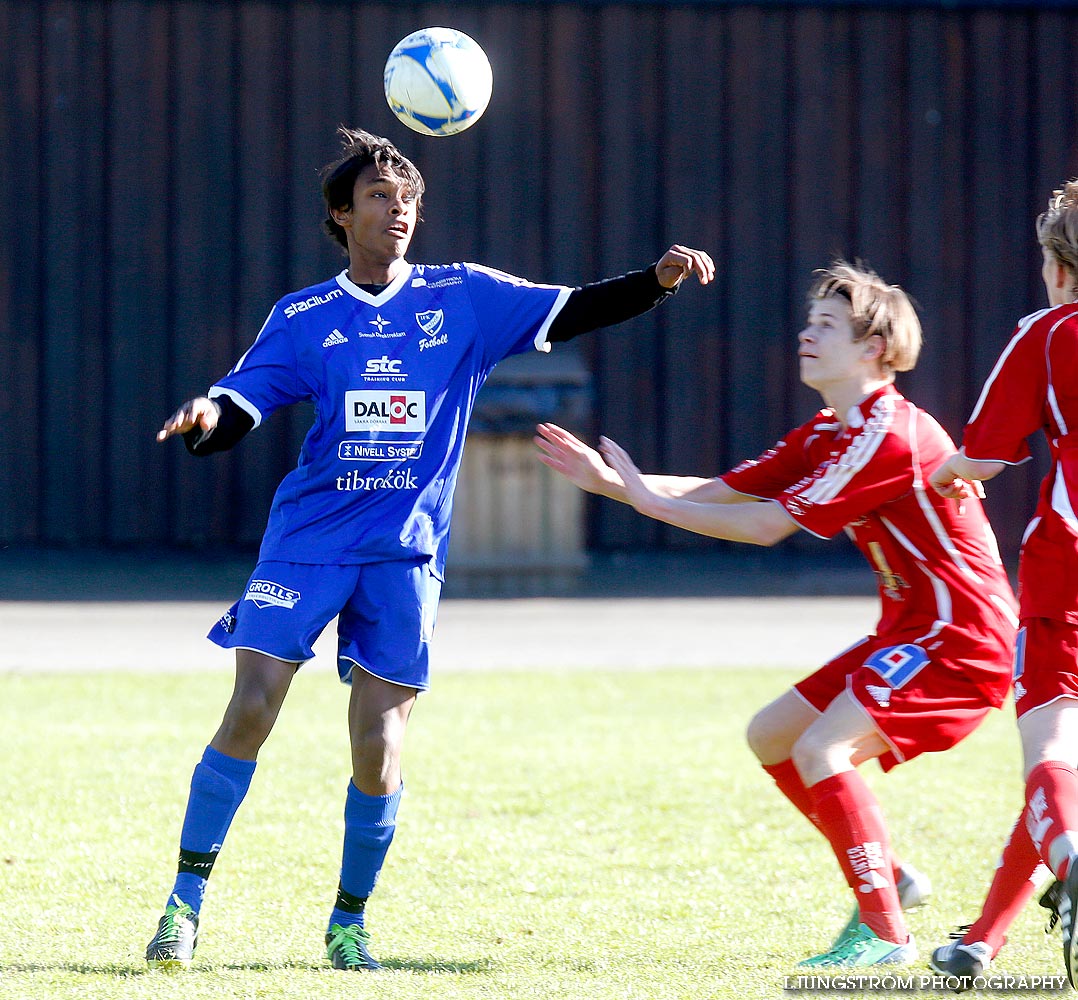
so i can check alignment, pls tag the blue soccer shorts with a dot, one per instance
(385, 613)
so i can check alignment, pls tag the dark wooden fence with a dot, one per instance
(158, 192)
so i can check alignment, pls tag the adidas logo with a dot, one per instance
(871, 881)
(882, 695)
(336, 337)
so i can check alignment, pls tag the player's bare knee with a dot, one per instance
(757, 735)
(381, 738)
(808, 753)
(376, 764)
(818, 756)
(249, 718)
(767, 740)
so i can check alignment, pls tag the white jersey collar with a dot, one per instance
(382, 297)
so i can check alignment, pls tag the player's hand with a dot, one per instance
(637, 491)
(200, 412)
(679, 262)
(568, 455)
(947, 484)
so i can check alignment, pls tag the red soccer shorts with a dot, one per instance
(921, 698)
(1045, 663)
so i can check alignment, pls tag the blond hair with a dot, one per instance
(1057, 226)
(876, 309)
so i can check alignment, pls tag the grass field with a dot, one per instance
(576, 835)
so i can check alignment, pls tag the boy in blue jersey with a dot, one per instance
(392, 355)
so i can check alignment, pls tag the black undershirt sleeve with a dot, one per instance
(604, 303)
(232, 425)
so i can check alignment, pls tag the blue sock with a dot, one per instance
(218, 786)
(369, 824)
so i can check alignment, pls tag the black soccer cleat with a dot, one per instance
(1067, 908)
(1050, 901)
(174, 943)
(963, 962)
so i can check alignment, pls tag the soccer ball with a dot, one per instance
(438, 81)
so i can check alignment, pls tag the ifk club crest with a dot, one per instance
(430, 322)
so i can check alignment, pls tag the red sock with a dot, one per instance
(789, 782)
(851, 820)
(1015, 881)
(1052, 808)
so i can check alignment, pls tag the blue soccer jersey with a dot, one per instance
(393, 378)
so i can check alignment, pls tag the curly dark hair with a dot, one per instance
(360, 149)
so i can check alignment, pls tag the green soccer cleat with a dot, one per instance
(346, 948)
(177, 934)
(862, 948)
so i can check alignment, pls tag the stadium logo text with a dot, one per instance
(266, 593)
(315, 300)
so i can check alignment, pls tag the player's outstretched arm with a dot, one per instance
(679, 262)
(584, 467)
(614, 300)
(199, 412)
(208, 425)
(756, 522)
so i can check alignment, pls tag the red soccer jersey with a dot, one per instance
(936, 562)
(1034, 387)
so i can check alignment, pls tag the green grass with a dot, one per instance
(563, 835)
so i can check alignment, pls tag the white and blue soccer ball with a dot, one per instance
(438, 81)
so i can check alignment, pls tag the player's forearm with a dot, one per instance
(755, 523)
(233, 423)
(969, 468)
(607, 302)
(671, 487)
(694, 488)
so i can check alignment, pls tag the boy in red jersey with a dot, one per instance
(1034, 387)
(940, 657)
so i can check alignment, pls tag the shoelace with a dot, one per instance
(347, 940)
(847, 945)
(170, 930)
(860, 945)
